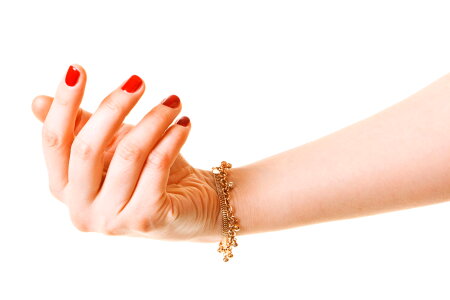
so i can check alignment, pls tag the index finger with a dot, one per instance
(58, 127)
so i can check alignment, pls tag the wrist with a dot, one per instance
(214, 231)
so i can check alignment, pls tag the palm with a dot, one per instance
(190, 196)
(191, 192)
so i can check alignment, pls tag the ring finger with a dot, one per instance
(131, 154)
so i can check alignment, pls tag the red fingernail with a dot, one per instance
(183, 121)
(132, 84)
(72, 76)
(171, 101)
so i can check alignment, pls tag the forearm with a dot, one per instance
(396, 159)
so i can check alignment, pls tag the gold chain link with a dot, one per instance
(230, 224)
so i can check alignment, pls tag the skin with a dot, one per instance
(120, 179)
(396, 159)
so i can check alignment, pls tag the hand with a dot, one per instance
(120, 179)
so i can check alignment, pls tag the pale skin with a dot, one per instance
(121, 179)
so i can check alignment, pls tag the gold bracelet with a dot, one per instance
(230, 223)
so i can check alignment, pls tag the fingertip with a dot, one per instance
(40, 106)
(79, 68)
(172, 101)
(75, 76)
(134, 84)
(184, 121)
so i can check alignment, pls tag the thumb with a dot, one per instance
(41, 106)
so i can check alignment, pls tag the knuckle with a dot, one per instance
(54, 191)
(63, 101)
(82, 227)
(157, 115)
(129, 150)
(158, 160)
(111, 228)
(111, 104)
(140, 224)
(51, 138)
(81, 223)
(81, 149)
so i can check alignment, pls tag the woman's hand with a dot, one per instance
(120, 179)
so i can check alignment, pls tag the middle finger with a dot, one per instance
(87, 151)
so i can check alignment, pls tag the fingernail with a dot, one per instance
(132, 84)
(72, 76)
(171, 101)
(183, 121)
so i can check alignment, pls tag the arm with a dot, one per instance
(122, 179)
(396, 159)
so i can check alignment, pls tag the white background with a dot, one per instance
(256, 78)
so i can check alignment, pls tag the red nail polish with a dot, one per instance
(132, 84)
(172, 101)
(72, 76)
(183, 121)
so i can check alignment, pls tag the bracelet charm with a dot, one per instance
(230, 224)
